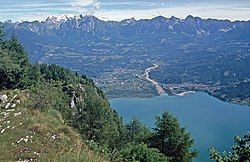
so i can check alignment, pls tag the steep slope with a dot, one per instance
(27, 134)
(52, 94)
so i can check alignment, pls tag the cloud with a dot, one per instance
(81, 3)
(222, 12)
(97, 5)
(121, 9)
(86, 6)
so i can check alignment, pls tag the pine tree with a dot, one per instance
(2, 41)
(171, 139)
(240, 151)
(1, 34)
(137, 132)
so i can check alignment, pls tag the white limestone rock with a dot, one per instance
(3, 98)
(18, 101)
(17, 114)
(26, 140)
(20, 140)
(10, 110)
(2, 131)
(72, 104)
(13, 106)
(13, 97)
(7, 105)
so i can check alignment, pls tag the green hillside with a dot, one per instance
(49, 113)
(29, 134)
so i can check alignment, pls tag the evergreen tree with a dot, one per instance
(1, 34)
(96, 121)
(240, 151)
(17, 48)
(171, 139)
(31, 76)
(137, 132)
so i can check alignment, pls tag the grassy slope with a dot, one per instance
(32, 134)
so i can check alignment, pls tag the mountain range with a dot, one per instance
(192, 53)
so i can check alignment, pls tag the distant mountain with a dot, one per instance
(79, 26)
(192, 53)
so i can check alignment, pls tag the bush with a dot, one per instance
(141, 153)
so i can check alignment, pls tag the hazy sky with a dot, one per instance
(120, 9)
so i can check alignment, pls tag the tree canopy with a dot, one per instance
(171, 139)
(239, 152)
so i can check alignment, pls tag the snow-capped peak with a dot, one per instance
(65, 17)
(57, 20)
(60, 18)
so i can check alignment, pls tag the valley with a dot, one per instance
(125, 81)
(192, 53)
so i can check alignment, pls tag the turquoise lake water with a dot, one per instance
(210, 121)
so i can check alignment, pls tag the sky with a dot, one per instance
(29, 10)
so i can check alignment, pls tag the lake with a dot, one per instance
(210, 121)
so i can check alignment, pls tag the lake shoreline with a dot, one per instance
(211, 122)
(185, 93)
(184, 96)
(181, 90)
(162, 90)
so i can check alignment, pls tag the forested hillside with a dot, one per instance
(59, 115)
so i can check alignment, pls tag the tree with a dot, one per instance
(10, 70)
(46, 96)
(1, 34)
(141, 153)
(13, 63)
(171, 139)
(137, 132)
(17, 48)
(96, 121)
(240, 151)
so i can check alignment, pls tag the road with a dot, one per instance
(158, 87)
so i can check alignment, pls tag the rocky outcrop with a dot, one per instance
(7, 105)
(77, 95)
(3, 98)
(72, 104)
(10, 101)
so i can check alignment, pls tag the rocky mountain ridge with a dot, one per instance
(126, 48)
(191, 26)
